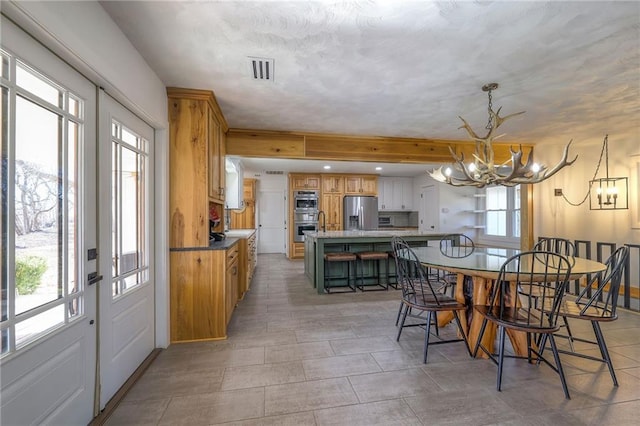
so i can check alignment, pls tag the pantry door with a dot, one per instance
(126, 297)
(49, 236)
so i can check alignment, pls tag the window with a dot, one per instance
(129, 203)
(42, 134)
(502, 213)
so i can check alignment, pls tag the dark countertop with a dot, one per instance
(214, 245)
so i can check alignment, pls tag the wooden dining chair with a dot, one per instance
(597, 308)
(420, 298)
(537, 273)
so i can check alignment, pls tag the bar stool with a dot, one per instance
(339, 257)
(378, 257)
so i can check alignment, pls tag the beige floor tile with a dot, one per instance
(314, 334)
(392, 385)
(296, 419)
(312, 395)
(165, 384)
(262, 375)
(216, 407)
(363, 345)
(339, 366)
(138, 413)
(298, 352)
(383, 413)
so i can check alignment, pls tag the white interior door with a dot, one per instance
(126, 295)
(48, 330)
(271, 222)
(429, 221)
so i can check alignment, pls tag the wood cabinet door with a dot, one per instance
(352, 184)
(332, 183)
(369, 185)
(231, 289)
(332, 206)
(214, 157)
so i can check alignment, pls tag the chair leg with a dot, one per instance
(404, 317)
(480, 335)
(426, 335)
(556, 357)
(502, 334)
(399, 313)
(461, 330)
(603, 350)
(566, 325)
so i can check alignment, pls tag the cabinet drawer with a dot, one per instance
(232, 255)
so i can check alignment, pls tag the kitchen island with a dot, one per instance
(321, 242)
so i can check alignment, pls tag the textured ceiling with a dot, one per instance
(403, 68)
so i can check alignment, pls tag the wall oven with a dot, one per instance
(305, 201)
(300, 227)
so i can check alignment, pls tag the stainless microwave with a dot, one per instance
(305, 201)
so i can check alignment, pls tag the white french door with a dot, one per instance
(126, 295)
(48, 314)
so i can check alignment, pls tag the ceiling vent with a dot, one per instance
(274, 172)
(261, 68)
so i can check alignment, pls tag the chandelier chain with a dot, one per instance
(489, 123)
(605, 144)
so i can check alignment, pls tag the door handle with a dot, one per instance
(93, 278)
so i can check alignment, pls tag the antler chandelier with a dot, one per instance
(483, 171)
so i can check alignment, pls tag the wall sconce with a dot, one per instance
(608, 193)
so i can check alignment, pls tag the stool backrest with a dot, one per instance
(456, 245)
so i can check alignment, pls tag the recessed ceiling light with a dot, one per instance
(378, 168)
(327, 167)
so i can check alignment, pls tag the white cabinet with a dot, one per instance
(395, 194)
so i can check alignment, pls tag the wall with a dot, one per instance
(456, 202)
(553, 216)
(84, 35)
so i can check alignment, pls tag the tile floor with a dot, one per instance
(294, 357)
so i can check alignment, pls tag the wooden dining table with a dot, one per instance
(483, 265)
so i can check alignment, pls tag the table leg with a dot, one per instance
(481, 290)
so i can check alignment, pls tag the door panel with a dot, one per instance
(271, 214)
(126, 302)
(48, 356)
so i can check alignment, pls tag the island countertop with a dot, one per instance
(384, 233)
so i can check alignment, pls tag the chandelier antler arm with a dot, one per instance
(544, 173)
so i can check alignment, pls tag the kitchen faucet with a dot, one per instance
(324, 220)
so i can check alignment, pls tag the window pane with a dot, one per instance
(129, 137)
(74, 107)
(38, 86)
(31, 328)
(516, 223)
(4, 278)
(496, 223)
(74, 283)
(5, 341)
(4, 68)
(496, 198)
(130, 211)
(38, 206)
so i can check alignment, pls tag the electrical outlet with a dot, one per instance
(558, 192)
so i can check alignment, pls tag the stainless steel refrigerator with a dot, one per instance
(360, 213)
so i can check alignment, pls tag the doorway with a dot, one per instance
(271, 222)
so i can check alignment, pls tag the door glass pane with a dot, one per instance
(38, 206)
(38, 85)
(129, 209)
(29, 329)
(4, 223)
(4, 68)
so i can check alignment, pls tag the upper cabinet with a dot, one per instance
(302, 182)
(361, 185)
(395, 194)
(332, 184)
(196, 164)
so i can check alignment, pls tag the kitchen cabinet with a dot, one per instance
(245, 218)
(232, 281)
(304, 182)
(361, 185)
(332, 207)
(204, 292)
(395, 194)
(196, 164)
(217, 170)
(332, 184)
(247, 258)
(297, 250)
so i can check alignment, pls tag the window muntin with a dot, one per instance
(40, 287)
(130, 210)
